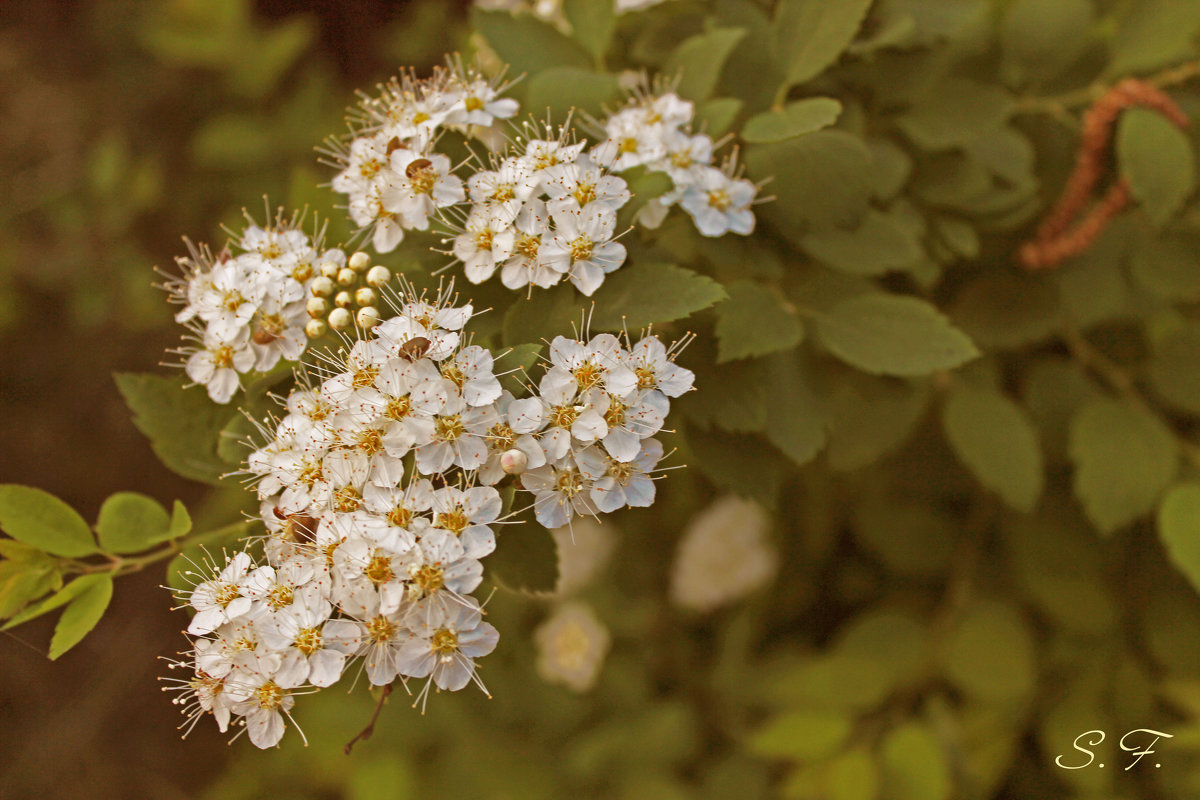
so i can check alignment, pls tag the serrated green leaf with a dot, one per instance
(914, 765)
(84, 612)
(1179, 529)
(996, 440)
(1157, 159)
(527, 44)
(1124, 459)
(700, 60)
(60, 598)
(544, 315)
(990, 654)
(592, 23)
(641, 294)
(1152, 34)
(183, 425)
(526, 558)
(753, 322)
(41, 520)
(811, 34)
(956, 112)
(1174, 370)
(794, 119)
(887, 334)
(879, 244)
(822, 179)
(716, 116)
(560, 89)
(795, 421)
(130, 522)
(802, 735)
(869, 417)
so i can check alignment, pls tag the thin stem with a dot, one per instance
(125, 565)
(1059, 105)
(366, 732)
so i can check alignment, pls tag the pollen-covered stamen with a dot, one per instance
(504, 192)
(223, 357)
(400, 516)
(381, 629)
(719, 199)
(569, 482)
(398, 408)
(545, 160)
(621, 472)
(365, 376)
(473, 103)
(269, 695)
(628, 145)
(370, 168)
(615, 416)
(501, 437)
(452, 373)
(449, 428)
(227, 594)
(527, 246)
(302, 271)
(584, 193)
(245, 644)
(428, 578)
(308, 641)
(483, 239)
(268, 328)
(347, 499)
(682, 159)
(588, 375)
(563, 416)
(310, 475)
(369, 441)
(455, 521)
(645, 377)
(422, 177)
(203, 682)
(582, 248)
(233, 301)
(281, 597)
(444, 641)
(379, 570)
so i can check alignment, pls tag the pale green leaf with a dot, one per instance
(1039, 37)
(887, 334)
(753, 322)
(879, 244)
(130, 522)
(527, 44)
(84, 612)
(1157, 159)
(40, 519)
(956, 112)
(640, 294)
(794, 119)
(715, 117)
(795, 421)
(559, 89)
(852, 775)
(1152, 34)
(700, 59)
(1179, 529)
(914, 765)
(181, 521)
(592, 23)
(909, 539)
(891, 168)
(68, 593)
(990, 654)
(1175, 369)
(1124, 459)
(996, 440)
(811, 34)
(802, 735)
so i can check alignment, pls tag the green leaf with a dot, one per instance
(996, 440)
(888, 334)
(60, 598)
(527, 44)
(1157, 159)
(183, 425)
(1040, 37)
(869, 417)
(1058, 567)
(546, 314)
(258, 69)
(892, 168)
(956, 112)
(40, 519)
(740, 404)
(716, 116)
(811, 34)
(517, 367)
(990, 654)
(802, 735)
(914, 765)
(1179, 529)
(753, 322)
(1167, 265)
(739, 464)
(700, 60)
(795, 421)
(560, 89)
(879, 244)
(526, 558)
(130, 522)
(84, 612)
(794, 119)
(592, 23)
(1174, 370)
(1153, 34)
(1124, 459)
(852, 775)
(909, 539)
(181, 521)
(644, 185)
(822, 179)
(641, 294)
(1003, 310)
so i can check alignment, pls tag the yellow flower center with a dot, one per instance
(379, 570)
(444, 641)
(269, 695)
(381, 629)
(308, 641)
(581, 249)
(455, 521)
(280, 597)
(347, 499)
(449, 428)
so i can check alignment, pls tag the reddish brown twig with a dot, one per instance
(1056, 240)
(366, 732)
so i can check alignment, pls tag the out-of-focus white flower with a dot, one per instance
(724, 555)
(572, 645)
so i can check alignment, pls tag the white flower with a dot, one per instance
(582, 246)
(628, 483)
(719, 204)
(481, 104)
(471, 373)
(574, 187)
(572, 644)
(222, 599)
(724, 555)
(216, 365)
(528, 265)
(487, 241)
(447, 653)
(420, 184)
(264, 708)
(455, 437)
(562, 490)
(652, 363)
(467, 514)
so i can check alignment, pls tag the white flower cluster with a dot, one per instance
(392, 176)
(542, 216)
(654, 130)
(378, 493)
(246, 310)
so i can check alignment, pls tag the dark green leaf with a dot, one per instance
(1157, 159)
(640, 294)
(40, 519)
(811, 34)
(527, 44)
(546, 314)
(753, 322)
(1175, 369)
(592, 23)
(1168, 265)
(526, 558)
(956, 112)
(1040, 37)
(739, 464)
(869, 417)
(879, 244)
(130, 522)
(1179, 529)
(1002, 310)
(795, 420)
(699, 61)
(560, 89)
(84, 612)
(517, 367)
(1152, 34)
(995, 439)
(794, 119)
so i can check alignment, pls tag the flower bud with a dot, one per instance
(317, 307)
(513, 462)
(378, 276)
(316, 328)
(359, 261)
(340, 319)
(330, 270)
(365, 297)
(322, 287)
(368, 317)
(347, 276)
(343, 300)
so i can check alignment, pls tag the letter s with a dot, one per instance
(1090, 754)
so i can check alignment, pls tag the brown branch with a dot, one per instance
(366, 732)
